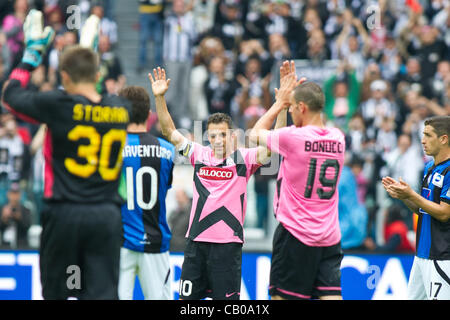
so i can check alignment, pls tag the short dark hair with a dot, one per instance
(81, 64)
(140, 103)
(220, 117)
(311, 94)
(440, 124)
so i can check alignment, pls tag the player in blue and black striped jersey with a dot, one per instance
(146, 178)
(430, 274)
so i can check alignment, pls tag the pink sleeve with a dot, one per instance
(250, 159)
(280, 140)
(197, 154)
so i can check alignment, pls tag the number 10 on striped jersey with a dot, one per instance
(139, 176)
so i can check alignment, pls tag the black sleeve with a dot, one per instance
(30, 106)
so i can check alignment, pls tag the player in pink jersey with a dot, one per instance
(306, 247)
(213, 254)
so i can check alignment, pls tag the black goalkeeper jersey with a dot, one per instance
(84, 140)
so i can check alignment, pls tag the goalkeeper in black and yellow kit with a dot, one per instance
(86, 133)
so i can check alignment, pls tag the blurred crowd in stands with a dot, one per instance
(384, 67)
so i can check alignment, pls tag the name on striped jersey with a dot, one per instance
(143, 151)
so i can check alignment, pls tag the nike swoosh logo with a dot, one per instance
(227, 295)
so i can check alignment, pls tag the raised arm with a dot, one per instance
(160, 85)
(288, 81)
(26, 104)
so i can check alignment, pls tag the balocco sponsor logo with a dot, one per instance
(212, 173)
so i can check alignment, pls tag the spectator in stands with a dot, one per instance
(352, 43)
(353, 216)
(109, 8)
(371, 73)
(396, 233)
(208, 48)
(436, 85)
(254, 88)
(218, 89)
(179, 221)
(228, 24)
(342, 91)
(12, 27)
(111, 75)
(279, 51)
(203, 12)
(391, 60)
(15, 219)
(413, 77)
(55, 18)
(5, 59)
(379, 25)
(61, 42)
(107, 27)
(38, 167)
(278, 48)
(250, 49)
(386, 140)
(179, 38)
(429, 51)
(311, 22)
(378, 107)
(12, 151)
(356, 164)
(320, 11)
(405, 161)
(356, 133)
(150, 27)
(261, 187)
(275, 18)
(316, 49)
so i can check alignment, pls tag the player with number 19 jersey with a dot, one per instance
(306, 197)
(146, 178)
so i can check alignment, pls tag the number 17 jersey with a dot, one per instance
(306, 196)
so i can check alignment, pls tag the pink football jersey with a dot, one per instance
(219, 194)
(306, 197)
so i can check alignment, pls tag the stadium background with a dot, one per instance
(384, 67)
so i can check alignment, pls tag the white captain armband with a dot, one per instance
(186, 149)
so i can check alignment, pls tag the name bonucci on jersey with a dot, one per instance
(147, 151)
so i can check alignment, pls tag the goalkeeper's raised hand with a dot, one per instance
(37, 38)
(90, 32)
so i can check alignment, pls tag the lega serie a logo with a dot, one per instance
(212, 173)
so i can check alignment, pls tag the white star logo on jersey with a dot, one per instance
(229, 162)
